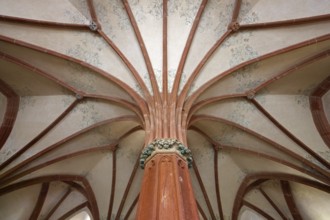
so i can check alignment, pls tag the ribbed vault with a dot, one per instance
(85, 85)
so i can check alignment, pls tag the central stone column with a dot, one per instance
(166, 192)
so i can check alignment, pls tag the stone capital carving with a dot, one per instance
(165, 146)
(234, 26)
(93, 26)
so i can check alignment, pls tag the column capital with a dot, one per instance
(165, 146)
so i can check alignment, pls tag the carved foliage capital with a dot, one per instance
(164, 146)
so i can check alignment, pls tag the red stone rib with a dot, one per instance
(59, 202)
(257, 209)
(297, 21)
(271, 202)
(10, 113)
(285, 185)
(43, 23)
(318, 111)
(40, 202)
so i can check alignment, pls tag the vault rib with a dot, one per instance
(291, 22)
(10, 113)
(127, 63)
(58, 203)
(289, 134)
(277, 146)
(128, 187)
(246, 186)
(118, 51)
(219, 146)
(318, 111)
(201, 185)
(174, 101)
(201, 211)
(132, 206)
(144, 52)
(183, 95)
(287, 192)
(322, 55)
(51, 24)
(113, 180)
(40, 202)
(257, 209)
(216, 180)
(187, 47)
(108, 147)
(40, 135)
(73, 210)
(166, 109)
(188, 103)
(62, 141)
(88, 192)
(236, 10)
(141, 103)
(271, 202)
(79, 94)
(92, 11)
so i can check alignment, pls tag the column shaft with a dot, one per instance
(166, 192)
